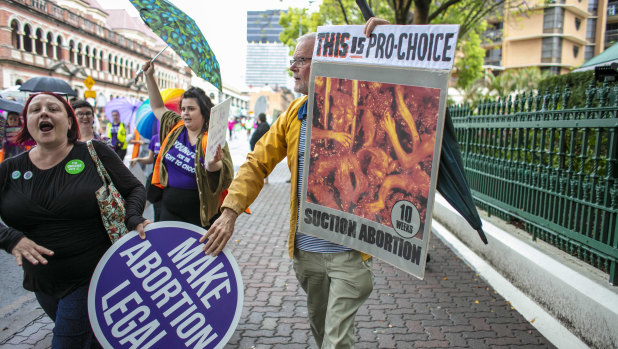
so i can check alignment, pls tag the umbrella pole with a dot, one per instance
(141, 71)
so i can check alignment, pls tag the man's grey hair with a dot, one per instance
(311, 36)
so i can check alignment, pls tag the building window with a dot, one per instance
(27, 38)
(72, 55)
(591, 29)
(592, 6)
(575, 51)
(14, 36)
(80, 57)
(49, 48)
(553, 20)
(59, 52)
(588, 52)
(38, 42)
(578, 23)
(551, 50)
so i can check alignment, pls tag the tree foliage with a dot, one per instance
(469, 66)
(297, 21)
(469, 14)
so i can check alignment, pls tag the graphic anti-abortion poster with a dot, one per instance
(375, 119)
(217, 128)
(164, 292)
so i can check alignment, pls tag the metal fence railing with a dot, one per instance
(552, 170)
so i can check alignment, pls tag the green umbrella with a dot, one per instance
(181, 33)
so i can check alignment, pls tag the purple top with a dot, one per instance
(154, 145)
(114, 133)
(180, 163)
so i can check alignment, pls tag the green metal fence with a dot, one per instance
(550, 169)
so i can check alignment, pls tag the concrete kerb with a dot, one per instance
(573, 292)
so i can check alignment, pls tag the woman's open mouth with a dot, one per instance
(46, 126)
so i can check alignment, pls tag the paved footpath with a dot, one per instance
(451, 308)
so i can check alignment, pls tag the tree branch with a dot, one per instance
(442, 9)
(345, 15)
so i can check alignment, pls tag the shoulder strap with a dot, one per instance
(99, 165)
(156, 170)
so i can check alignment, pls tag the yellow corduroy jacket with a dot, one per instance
(280, 141)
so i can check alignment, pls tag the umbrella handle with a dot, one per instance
(365, 10)
(141, 71)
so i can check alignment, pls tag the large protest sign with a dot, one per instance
(375, 118)
(217, 127)
(164, 292)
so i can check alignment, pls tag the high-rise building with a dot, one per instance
(555, 35)
(267, 56)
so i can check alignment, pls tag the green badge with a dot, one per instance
(16, 174)
(74, 166)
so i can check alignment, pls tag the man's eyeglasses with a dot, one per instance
(300, 61)
(83, 114)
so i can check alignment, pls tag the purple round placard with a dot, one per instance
(164, 292)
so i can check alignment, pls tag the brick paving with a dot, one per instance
(451, 308)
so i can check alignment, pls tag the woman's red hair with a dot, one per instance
(73, 133)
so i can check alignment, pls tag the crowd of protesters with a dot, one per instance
(50, 204)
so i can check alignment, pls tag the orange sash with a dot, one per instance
(156, 180)
(135, 145)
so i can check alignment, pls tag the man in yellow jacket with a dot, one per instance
(118, 134)
(337, 280)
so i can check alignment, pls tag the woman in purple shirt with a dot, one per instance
(192, 186)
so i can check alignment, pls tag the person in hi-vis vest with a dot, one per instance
(118, 134)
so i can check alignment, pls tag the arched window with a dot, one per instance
(38, 42)
(80, 60)
(115, 65)
(121, 67)
(95, 59)
(27, 39)
(100, 67)
(72, 55)
(14, 36)
(59, 43)
(110, 64)
(49, 48)
(88, 62)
